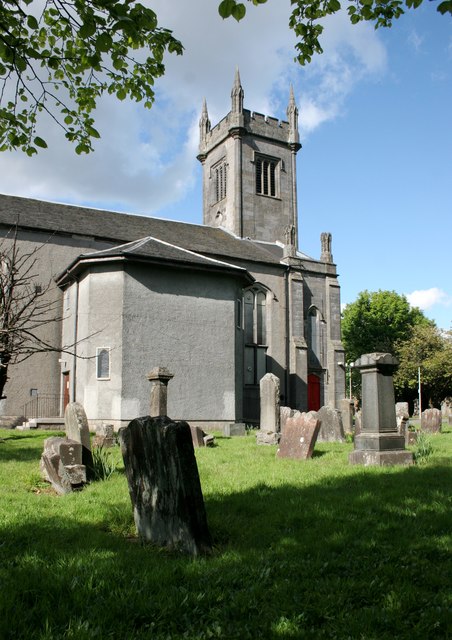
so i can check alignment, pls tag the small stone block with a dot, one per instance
(234, 429)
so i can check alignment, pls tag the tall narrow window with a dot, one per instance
(103, 363)
(315, 323)
(255, 322)
(267, 170)
(220, 180)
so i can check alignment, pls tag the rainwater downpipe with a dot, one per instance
(287, 374)
(74, 356)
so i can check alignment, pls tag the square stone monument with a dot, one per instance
(379, 442)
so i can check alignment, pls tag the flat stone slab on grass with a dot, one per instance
(164, 485)
(299, 436)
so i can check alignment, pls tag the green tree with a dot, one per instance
(60, 56)
(378, 321)
(306, 17)
(431, 350)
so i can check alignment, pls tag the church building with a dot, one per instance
(218, 304)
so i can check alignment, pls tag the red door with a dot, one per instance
(65, 389)
(313, 392)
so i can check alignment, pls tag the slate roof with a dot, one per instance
(121, 228)
(156, 251)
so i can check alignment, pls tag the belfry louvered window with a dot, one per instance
(220, 180)
(267, 176)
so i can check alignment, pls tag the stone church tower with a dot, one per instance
(249, 171)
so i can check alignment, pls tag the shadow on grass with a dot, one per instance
(30, 450)
(364, 556)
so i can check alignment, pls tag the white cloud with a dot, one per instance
(427, 298)
(146, 160)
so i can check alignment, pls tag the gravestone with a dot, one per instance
(284, 414)
(346, 409)
(200, 438)
(446, 409)
(403, 419)
(61, 464)
(299, 436)
(357, 422)
(268, 432)
(331, 429)
(76, 427)
(234, 429)
(379, 442)
(164, 485)
(431, 420)
(105, 436)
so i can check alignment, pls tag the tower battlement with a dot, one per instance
(252, 122)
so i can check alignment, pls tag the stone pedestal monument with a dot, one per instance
(379, 442)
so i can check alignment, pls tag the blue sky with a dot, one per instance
(376, 126)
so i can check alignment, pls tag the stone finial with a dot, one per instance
(159, 378)
(237, 94)
(325, 241)
(292, 117)
(204, 123)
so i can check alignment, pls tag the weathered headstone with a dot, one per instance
(402, 411)
(331, 429)
(299, 436)
(269, 399)
(61, 464)
(234, 429)
(357, 422)
(446, 408)
(379, 442)
(431, 420)
(105, 436)
(346, 409)
(284, 414)
(164, 484)
(159, 378)
(76, 426)
(200, 438)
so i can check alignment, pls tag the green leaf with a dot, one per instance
(32, 23)
(239, 12)
(445, 7)
(226, 8)
(39, 142)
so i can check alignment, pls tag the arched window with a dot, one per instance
(103, 363)
(315, 324)
(220, 180)
(255, 327)
(266, 176)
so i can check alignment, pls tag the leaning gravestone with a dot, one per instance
(431, 420)
(299, 436)
(76, 426)
(61, 464)
(164, 484)
(331, 429)
(379, 442)
(268, 432)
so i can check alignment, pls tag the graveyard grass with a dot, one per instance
(312, 549)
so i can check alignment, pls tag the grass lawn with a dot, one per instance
(313, 549)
